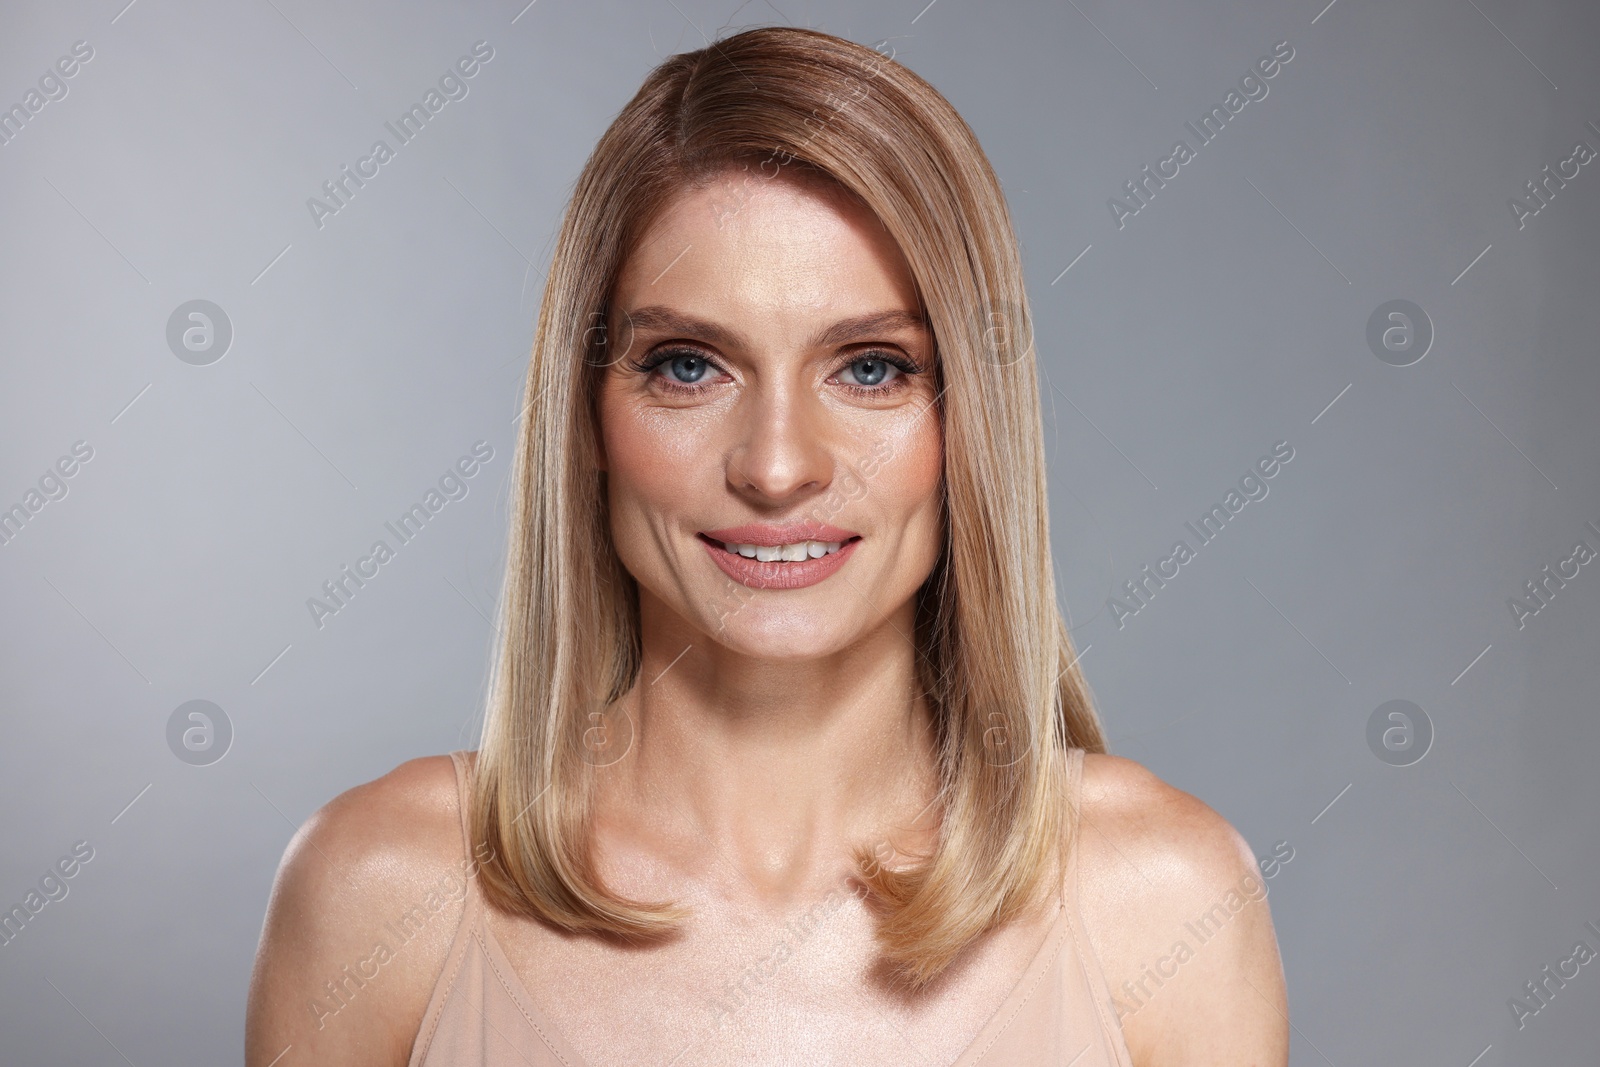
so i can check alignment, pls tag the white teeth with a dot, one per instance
(794, 553)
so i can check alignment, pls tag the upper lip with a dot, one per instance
(773, 534)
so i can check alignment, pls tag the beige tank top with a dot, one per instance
(1059, 1013)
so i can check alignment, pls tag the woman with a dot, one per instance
(787, 757)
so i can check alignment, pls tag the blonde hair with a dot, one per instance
(994, 658)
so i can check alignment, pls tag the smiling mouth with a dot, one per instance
(796, 552)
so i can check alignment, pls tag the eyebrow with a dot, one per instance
(665, 319)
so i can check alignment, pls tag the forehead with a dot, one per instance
(778, 248)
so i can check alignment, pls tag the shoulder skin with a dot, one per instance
(1176, 909)
(363, 909)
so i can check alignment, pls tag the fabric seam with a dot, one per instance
(1088, 959)
(421, 1044)
(1055, 952)
(488, 958)
(1033, 987)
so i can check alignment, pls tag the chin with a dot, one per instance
(793, 636)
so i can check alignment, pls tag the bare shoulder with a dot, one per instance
(1133, 815)
(363, 909)
(1175, 907)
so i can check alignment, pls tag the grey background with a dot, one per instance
(1227, 315)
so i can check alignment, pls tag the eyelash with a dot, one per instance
(652, 360)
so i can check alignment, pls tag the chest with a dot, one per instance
(804, 984)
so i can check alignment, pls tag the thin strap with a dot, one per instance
(1074, 825)
(1110, 1024)
(463, 763)
(1043, 965)
(459, 759)
(1075, 777)
(466, 930)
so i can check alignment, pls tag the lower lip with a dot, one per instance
(777, 574)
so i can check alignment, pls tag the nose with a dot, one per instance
(782, 450)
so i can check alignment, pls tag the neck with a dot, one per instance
(777, 767)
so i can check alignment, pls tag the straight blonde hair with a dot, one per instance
(994, 658)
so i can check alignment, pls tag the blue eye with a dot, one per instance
(876, 370)
(686, 367)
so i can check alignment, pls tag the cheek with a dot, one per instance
(915, 481)
(637, 454)
(642, 444)
(653, 457)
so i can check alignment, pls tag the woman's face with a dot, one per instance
(771, 384)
